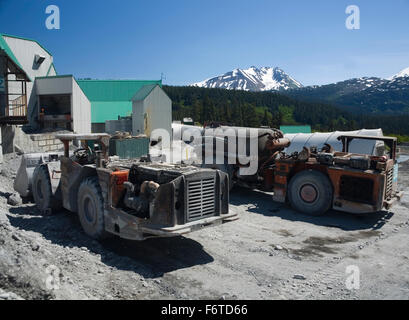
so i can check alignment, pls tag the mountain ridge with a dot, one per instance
(362, 95)
(251, 79)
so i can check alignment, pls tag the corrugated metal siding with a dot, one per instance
(24, 50)
(157, 108)
(112, 98)
(54, 85)
(122, 125)
(102, 111)
(5, 47)
(81, 110)
(129, 148)
(80, 106)
(27, 39)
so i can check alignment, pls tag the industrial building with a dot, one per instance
(34, 100)
(62, 104)
(145, 101)
(21, 62)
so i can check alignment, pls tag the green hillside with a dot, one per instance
(254, 109)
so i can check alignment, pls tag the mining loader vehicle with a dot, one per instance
(133, 199)
(314, 181)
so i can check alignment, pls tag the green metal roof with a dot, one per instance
(144, 92)
(113, 90)
(112, 98)
(295, 129)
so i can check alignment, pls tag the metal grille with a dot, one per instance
(200, 199)
(389, 184)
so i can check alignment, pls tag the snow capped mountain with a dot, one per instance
(252, 79)
(403, 73)
(363, 95)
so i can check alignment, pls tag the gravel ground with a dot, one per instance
(271, 252)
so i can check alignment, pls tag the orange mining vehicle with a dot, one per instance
(313, 181)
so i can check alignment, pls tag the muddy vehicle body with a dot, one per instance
(132, 199)
(314, 181)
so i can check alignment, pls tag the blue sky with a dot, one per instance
(190, 40)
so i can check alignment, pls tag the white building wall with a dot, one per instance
(80, 105)
(25, 51)
(59, 85)
(52, 72)
(155, 112)
(138, 110)
(80, 110)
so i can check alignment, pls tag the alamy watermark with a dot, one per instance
(230, 146)
(52, 282)
(353, 280)
(353, 21)
(52, 22)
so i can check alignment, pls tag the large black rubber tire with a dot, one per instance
(320, 200)
(42, 193)
(91, 209)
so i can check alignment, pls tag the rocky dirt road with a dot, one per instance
(272, 252)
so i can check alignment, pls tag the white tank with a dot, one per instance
(318, 139)
(181, 131)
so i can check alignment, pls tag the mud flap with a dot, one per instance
(54, 170)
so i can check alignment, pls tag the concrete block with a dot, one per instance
(41, 143)
(33, 137)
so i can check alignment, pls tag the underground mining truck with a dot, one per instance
(314, 181)
(133, 199)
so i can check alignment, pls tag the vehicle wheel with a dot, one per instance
(91, 208)
(310, 192)
(226, 168)
(42, 193)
